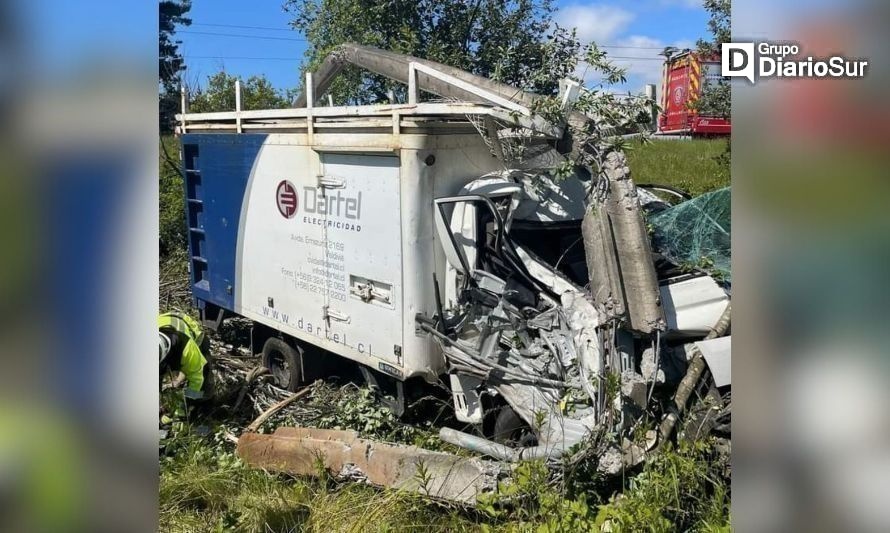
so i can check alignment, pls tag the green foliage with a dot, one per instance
(682, 490)
(724, 160)
(704, 264)
(614, 116)
(716, 98)
(358, 409)
(679, 490)
(205, 487)
(219, 94)
(363, 413)
(171, 204)
(719, 24)
(513, 42)
(170, 63)
(530, 502)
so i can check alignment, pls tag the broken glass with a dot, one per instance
(696, 234)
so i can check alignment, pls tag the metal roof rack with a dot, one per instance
(470, 99)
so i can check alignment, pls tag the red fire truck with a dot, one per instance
(685, 75)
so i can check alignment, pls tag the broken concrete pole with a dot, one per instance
(394, 66)
(638, 276)
(300, 451)
(602, 262)
(615, 459)
(619, 257)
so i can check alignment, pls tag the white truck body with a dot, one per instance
(336, 243)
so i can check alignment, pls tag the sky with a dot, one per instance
(247, 38)
(641, 28)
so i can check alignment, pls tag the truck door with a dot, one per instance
(362, 233)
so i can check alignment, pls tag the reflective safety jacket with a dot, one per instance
(193, 360)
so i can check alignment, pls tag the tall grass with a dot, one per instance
(693, 165)
(204, 487)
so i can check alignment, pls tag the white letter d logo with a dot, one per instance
(738, 60)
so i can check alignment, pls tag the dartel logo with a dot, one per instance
(334, 203)
(286, 197)
(314, 202)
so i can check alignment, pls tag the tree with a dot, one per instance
(510, 41)
(716, 98)
(719, 24)
(170, 63)
(256, 93)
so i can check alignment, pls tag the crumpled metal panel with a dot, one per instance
(718, 355)
(692, 306)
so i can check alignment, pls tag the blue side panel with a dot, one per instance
(217, 169)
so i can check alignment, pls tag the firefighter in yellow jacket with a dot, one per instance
(181, 347)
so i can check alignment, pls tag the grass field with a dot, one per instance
(691, 165)
(204, 487)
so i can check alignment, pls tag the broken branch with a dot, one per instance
(255, 425)
(687, 385)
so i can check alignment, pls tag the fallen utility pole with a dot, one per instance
(300, 451)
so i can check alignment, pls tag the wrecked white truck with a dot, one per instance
(413, 240)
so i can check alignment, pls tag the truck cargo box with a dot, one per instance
(331, 243)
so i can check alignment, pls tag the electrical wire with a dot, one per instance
(219, 34)
(239, 26)
(243, 57)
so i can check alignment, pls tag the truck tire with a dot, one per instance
(510, 429)
(285, 362)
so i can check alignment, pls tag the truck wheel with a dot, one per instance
(511, 429)
(284, 362)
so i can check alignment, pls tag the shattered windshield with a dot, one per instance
(696, 233)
